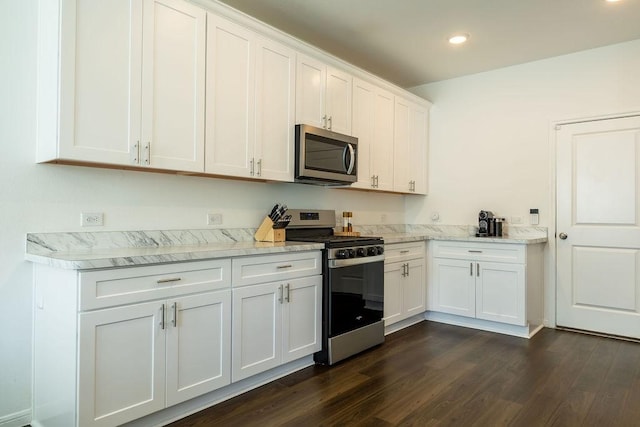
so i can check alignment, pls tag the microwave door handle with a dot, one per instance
(352, 158)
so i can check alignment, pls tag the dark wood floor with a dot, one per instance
(434, 374)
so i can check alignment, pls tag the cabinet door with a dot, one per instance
(275, 110)
(121, 364)
(230, 99)
(256, 329)
(302, 318)
(500, 292)
(173, 77)
(311, 78)
(364, 96)
(401, 154)
(414, 288)
(393, 299)
(382, 155)
(454, 286)
(101, 57)
(338, 101)
(418, 147)
(198, 345)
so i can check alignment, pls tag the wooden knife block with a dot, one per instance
(266, 232)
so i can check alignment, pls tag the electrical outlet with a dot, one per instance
(91, 219)
(214, 219)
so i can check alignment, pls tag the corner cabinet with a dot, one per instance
(250, 103)
(277, 309)
(499, 285)
(147, 338)
(404, 281)
(122, 83)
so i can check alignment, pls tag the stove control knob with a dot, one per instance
(361, 252)
(379, 250)
(342, 254)
(371, 251)
(352, 253)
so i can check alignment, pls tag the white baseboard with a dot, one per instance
(17, 419)
(485, 325)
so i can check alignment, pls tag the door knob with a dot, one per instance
(563, 236)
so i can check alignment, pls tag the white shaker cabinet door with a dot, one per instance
(311, 83)
(338, 101)
(393, 282)
(230, 99)
(275, 111)
(121, 364)
(383, 130)
(302, 318)
(414, 289)
(173, 76)
(100, 86)
(364, 95)
(454, 286)
(500, 292)
(198, 345)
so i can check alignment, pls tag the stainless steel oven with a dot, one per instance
(353, 285)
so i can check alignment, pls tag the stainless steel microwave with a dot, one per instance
(324, 157)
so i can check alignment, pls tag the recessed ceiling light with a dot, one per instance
(612, 1)
(458, 38)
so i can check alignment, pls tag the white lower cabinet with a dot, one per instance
(493, 282)
(278, 321)
(404, 281)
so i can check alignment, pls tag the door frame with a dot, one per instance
(551, 259)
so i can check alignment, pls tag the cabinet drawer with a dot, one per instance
(403, 251)
(271, 268)
(111, 287)
(495, 252)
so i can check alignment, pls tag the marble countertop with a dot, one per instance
(109, 249)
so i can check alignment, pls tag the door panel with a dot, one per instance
(455, 291)
(302, 316)
(500, 292)
(598, 200)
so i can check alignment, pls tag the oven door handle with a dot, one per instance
(337, 263)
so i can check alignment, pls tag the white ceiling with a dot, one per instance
(405, 41)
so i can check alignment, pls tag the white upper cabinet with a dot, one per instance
(410, 147)
(323, 96)
(122, 82)
(373, 126)
(250, 104)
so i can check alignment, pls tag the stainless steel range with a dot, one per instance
(353, 285)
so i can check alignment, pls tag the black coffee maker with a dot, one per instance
(489, 225)
(485, 222)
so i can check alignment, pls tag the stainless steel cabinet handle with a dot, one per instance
(147, 157)
(259, 173)
(477, 270)
(135, 153)
(284, 266)
(162, 317)
(404, 270)
(288, 297)
(330, 120)
(563, 236)
(474, 252)
(174, 309)
(407, 269)
(470, 269)
(405, 251)
(373, 181)
(324, 121)
(281, 294)
(251, 167)
(173, 279)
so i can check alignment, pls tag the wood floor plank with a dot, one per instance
(432, 374)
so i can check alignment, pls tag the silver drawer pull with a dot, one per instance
(405, 252)
(475, 252)
(280, 267)
(173, 279)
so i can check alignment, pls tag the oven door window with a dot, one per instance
(356, 296)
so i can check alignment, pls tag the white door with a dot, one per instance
(100, 91)
(256, 329)
(401, 154)
(382, 155)
(198, 345)
(275, 110)
(500, 292)
(418, 147)
(230, 98)
(122, 364)
(311, 81)
(455, 287)
(173, 76)
(338, 101)
(598, 226)
(362, 128)
(393, 281)
(301, 318)
(414, 289)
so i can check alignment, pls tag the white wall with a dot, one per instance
(41, 198)
(490, 132)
